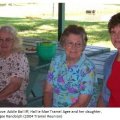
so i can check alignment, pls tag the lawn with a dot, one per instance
(32, 26)
(47, 29)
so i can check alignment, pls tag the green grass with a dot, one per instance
(47, 28)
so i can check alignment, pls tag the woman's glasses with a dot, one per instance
(71, 44)
(7, 40)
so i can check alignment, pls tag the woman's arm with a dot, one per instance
(86, 87)
(48, 95)
(12, 87)
(100, 102)
(83, 101)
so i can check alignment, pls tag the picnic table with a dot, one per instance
(39, 69)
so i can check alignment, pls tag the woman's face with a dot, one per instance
(73, 46)
(6, 42)
(115, 36)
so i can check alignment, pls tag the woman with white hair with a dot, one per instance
(72, 76)
(14, 69)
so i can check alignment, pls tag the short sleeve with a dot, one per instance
(51, 73)
(54, 69)
(87, 82)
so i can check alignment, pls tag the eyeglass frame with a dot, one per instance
(71, 44)
(7, 40)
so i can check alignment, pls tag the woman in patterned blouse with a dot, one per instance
(14, 69)
(71, 76)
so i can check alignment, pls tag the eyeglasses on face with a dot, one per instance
(7, 40)
(71, 44)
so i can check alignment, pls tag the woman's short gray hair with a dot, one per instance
(16, 40)
(74, 29)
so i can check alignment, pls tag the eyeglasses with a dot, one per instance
(7, 40)
(71, 44)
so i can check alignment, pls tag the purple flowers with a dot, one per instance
(72, 90)
(50, 75)
(60, 79)
(82, 86)
(57, 91)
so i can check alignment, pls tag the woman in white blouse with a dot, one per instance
(14, 69)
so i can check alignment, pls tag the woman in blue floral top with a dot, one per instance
(71, 76)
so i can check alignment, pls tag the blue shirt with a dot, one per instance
(107, 72)
(70, 82)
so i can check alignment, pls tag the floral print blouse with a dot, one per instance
(15, 65)
(70, 82)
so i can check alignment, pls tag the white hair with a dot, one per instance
(11, 30)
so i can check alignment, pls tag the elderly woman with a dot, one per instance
(110, 96)
(14, 69)
(71, 76)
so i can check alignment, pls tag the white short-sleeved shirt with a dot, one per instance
(16, 64)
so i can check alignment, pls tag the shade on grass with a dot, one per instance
(47, 28)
